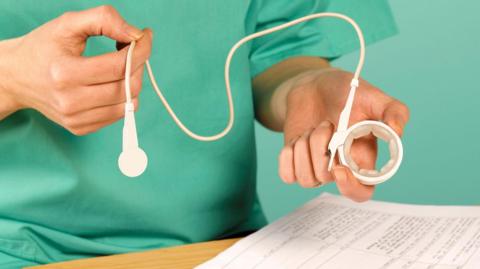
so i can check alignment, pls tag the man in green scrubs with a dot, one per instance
(61, 194)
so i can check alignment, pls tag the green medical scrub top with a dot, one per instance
(62, 196)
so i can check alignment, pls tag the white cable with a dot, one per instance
(128, 73)
(227, 71)
(133, 160)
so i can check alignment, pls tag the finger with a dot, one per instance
(286, 168)
(88, 129)
(364, 152)
(319, 139)
(103, 20)
(303, 163)
(111, 93)
(349, 186)
(396, 115)
(87, 120)
(379, 106)
(111, 66)
(85, 98)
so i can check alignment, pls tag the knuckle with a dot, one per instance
(63, 22)
(64, 105)
(118, 70)
(107, 10)
(58, 75)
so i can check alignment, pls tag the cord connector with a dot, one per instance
(354, 83)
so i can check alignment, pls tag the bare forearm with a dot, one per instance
(271, 100)
(8, 104)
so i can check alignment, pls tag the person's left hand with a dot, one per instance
(313, 107)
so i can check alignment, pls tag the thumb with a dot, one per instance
(102, 20)
(349, 186)
(396, 115)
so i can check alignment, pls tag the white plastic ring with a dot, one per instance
(382, 131)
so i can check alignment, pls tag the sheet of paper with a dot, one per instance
(331, 232)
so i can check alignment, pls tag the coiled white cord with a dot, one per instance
(227, 72)
(133, 160)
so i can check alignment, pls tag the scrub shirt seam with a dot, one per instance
(335, 50)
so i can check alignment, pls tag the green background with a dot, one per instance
(433, 66)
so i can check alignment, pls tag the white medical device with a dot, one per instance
(133, 160)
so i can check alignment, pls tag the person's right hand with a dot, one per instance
(45, 70)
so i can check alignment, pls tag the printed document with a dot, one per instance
(332, 232)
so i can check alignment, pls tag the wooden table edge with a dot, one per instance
(179, 257)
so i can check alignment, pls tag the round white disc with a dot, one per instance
(132, 162)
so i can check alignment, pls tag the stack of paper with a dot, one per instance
(331, 232)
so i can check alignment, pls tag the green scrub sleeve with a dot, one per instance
(324, 37)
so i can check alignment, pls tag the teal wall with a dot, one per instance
(433, 65)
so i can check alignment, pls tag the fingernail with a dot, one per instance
(400, 122)
(397, 125)
(340, 174)
(399, 119)
(134, 32)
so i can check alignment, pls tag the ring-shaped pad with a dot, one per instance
(382, 131)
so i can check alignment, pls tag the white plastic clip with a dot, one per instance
(354, 83)
(343, 138)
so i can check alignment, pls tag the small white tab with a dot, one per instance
(337, 140)
(129, 107)
(129, 128)
(330, 161)
(354, 83)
